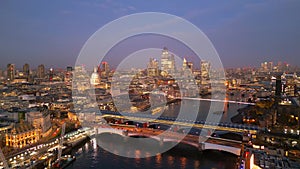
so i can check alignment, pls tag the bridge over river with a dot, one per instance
(240, 128)
(202, 143)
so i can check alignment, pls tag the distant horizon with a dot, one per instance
(20, 67)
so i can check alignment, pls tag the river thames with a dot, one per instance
(181, 156)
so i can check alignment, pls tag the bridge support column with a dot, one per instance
(125, 133)
(161, 141)
(201, 146)
(96, 130)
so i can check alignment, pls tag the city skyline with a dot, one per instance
(244, 34)
(178, 62)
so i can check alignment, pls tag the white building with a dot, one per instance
(95, 79)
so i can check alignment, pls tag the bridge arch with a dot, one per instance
(164, 139)
(110, 130)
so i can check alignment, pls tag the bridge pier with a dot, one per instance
(201, 146)
(96, 130)
(125, 133)
(125, 136)
(161, 141)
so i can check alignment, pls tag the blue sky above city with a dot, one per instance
(245, 33)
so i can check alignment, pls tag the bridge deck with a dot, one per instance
(177, 122)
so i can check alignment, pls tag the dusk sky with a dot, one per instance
(245, 33)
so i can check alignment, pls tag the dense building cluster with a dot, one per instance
(34, 102)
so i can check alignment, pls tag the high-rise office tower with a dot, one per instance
(26, 70)
(11, 72)
(205, 67)
(104, 69)
(152, 68)
(278, 89)
(184, 64)
(266, 66)
(167, 62)
(68, 75)
(187, 65)
(41, 71)
(51, 74)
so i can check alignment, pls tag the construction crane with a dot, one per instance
(5, 166)
(61, 141)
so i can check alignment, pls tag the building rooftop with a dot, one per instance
(21, 128)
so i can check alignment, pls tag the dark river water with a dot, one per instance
(180, 157)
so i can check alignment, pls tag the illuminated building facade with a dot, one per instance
(21, 135)
(51, 74)
(266, 67)
(152, 68)
(40, 120)
(205, 67)
(95, 79)
(68, 75)
(167, 63)
(81, 79)
(26, 70)
(187, 65)
(11, 72)
(41, 71)
(290, 82)
(104, 69)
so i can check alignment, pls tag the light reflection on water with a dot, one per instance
(183, 162)
(180, 157)
(196, 164)
(137, 154)
(158, 160)
(170, 160)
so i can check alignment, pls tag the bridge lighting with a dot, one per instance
(247, 154)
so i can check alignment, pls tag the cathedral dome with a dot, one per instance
(95, 79)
